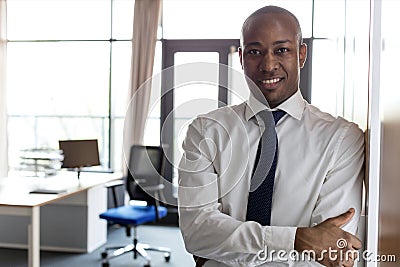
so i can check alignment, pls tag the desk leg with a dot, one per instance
(34, 238)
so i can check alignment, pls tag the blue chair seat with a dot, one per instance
(133, 215)
(143, 182)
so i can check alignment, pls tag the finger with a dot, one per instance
(351, 255)
(353, 242)
(354, 255)
(348, 262)
(356, 243)
(342, 218)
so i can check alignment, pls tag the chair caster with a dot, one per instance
(167, 257)
(105, 264)
(104, 255)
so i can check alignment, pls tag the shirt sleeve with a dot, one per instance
(342, 186)
(208, 232)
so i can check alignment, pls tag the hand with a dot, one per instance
(199, 261)
(324, 237)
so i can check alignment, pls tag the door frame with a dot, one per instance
(169, 48)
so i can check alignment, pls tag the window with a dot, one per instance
(340, 50)
(222, 19)
(68, 74)
(69, 64)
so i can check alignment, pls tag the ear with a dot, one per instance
(240, 56)
(302, 54)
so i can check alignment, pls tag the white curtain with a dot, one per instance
(3, 108)
(145, 24)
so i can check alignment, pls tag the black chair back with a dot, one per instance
(145, 169)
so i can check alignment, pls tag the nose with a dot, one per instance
(268, 63)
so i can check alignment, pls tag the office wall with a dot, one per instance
(3, 109)
(389, 210)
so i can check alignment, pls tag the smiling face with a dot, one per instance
(271, 55)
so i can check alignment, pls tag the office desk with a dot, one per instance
(79, 205)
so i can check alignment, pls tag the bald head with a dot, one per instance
(268, 10)
(272, 54)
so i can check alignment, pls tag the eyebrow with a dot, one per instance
(282, 42)
(274, 43)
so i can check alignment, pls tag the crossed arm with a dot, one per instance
(326, 235)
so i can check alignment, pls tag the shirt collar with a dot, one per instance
(294, 106)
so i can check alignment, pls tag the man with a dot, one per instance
(317, 168)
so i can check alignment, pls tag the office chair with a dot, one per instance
(145, 167)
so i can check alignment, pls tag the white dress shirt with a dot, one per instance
(318, 176)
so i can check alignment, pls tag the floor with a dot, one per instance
(157, 235)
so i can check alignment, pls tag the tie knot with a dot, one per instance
(278, 114)
(266, 117)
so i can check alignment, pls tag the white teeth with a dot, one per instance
(275, 80)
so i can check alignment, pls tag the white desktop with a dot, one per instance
(67, 221)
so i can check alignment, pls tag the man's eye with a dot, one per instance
(254, 52)
(282, 50)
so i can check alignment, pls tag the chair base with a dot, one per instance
(137, 249)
